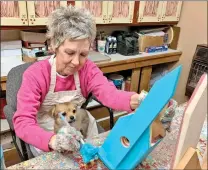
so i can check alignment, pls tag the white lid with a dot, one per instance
(116, 77)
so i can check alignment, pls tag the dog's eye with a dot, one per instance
(64, 114)
(74, 111)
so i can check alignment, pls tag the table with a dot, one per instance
(160, 158)
(141, 66)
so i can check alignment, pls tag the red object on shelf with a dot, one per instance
(128, 84)
(2, 104)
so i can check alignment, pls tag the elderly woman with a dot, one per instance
(68, 75)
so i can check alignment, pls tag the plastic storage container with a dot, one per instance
(117, 80)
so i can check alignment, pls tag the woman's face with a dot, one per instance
(71, 56)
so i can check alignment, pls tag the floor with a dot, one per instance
(11, 157)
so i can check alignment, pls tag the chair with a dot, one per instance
(14, 80)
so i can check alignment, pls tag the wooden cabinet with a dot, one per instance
(38, 11)
(14, 13)
(97, 8)
(171, 10)
(120, 11)
(159, 11)
(150, 11)
(19, 13)
(106, 12)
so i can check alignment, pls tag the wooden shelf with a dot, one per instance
(98, 25)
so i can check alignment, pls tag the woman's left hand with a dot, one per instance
(134, 101)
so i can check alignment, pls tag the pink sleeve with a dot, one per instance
(24, 120)
(105, 91)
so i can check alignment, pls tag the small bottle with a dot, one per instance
(115, 46)
(128, 84)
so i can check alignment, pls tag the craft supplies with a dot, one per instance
(126, 43)
(108, 44)
(156, 49)
(111, 45)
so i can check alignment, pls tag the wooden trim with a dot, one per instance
(141, 24)
(3, 78)
(3, 86)
(145, 78)
(139, 59)
(176, 32)
(115, 68)
(136, 9)
(157, 61)
(23, 27)
(135, 77)
(189, 161)
(35, 27)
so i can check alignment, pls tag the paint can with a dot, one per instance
(117, 80)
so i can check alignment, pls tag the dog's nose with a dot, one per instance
(72, 117)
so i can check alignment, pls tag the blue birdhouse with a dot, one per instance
(129, 142)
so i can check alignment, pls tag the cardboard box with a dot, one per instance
(11, 45)
(28, 59)
(33, 37)
(148, 41)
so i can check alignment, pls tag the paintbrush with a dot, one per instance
(87, 151)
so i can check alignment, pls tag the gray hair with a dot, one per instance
(70, 23)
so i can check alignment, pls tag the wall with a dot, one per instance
(193, 23)
(7, 35)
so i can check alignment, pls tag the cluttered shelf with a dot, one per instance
(108, 63)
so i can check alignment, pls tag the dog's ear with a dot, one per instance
(52, 111)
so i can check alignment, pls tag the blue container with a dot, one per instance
(117, 80)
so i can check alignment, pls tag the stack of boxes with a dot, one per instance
(11, 52)
(34, 46)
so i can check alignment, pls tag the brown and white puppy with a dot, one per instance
(77, 118)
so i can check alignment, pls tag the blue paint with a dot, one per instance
(62, 164)
(136, 127)
(88, 152)
(44, 157)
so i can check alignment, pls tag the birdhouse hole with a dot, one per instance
(125, 142)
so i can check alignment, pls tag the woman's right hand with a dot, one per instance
(67, 139)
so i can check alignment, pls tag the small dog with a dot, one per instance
(77, 118)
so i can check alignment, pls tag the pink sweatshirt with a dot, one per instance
(35, 85)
